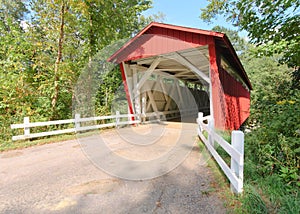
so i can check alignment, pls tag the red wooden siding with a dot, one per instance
(231, 100)
(237, 100)
(152, 44)
(219, 102)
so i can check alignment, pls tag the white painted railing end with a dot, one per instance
(237, 141)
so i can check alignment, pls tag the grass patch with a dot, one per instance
(12, 145)
(269, 195)
(277, 195)
(262, 194)
(225, 156)
(251, 201)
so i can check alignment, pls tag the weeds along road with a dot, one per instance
(61, 177)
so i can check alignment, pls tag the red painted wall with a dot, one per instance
(237, 100)
(231, 101)
(219, 101)
(158, 41)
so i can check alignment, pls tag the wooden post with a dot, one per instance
(26, 128)
(237, 141)
(117, 119)
(211, 130)
(200, 121)
(200, 116)
(77, 122)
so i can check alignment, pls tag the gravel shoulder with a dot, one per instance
(60, 178)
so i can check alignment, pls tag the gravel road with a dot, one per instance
(60, 178)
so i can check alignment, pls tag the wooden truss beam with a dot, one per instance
(144, 68)
(182, 74)
(147, 74)
(188, 64)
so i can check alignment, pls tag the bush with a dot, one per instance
(275, 145)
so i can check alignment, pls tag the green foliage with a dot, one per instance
(267, 195)
(275, 117)
(107, 92)
(273, 25)
(42, 53)
(252, 201)
(272, 146)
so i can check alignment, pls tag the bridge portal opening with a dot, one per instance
(169, 86)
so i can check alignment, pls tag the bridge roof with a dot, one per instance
(160, 39)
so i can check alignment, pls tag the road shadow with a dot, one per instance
(186, 189)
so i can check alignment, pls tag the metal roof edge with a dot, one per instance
(188, 29)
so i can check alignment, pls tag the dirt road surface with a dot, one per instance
(61, 178)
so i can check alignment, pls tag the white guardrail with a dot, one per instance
(236, 151)
(77, 125)
(132, 119)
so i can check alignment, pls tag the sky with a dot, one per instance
(185, 13)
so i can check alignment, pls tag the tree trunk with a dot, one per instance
(92, 39)
(59, 57)
(89, 83)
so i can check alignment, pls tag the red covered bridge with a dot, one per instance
(164, 65)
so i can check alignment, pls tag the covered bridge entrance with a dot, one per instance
(171, 72)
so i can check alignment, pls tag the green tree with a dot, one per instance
(68, 35)
(273, 25)
(51, 33)
(102, 22)
(16, 94)
(42, 52)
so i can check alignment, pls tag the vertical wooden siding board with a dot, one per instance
(219, 100)
(182, 36)
(189, 37)
(234, 91)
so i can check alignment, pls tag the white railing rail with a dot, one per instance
(26, 125)
(235, 150)
(77, 125)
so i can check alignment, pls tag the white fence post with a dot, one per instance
(237, 141)
(117, 119)
(211, 130)
(200, 116)
(199, 121)
(26, 129)
(77, 122)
